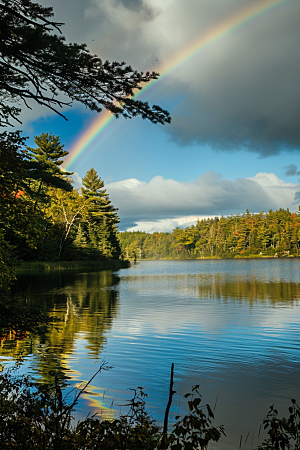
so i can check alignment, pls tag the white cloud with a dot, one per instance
(280, 193)
(77, 180)
(186, 307)
(166, 225)
(162, 205)
(270, 180)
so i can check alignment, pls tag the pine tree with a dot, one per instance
(80, 240)
(44, 166)
(93, 190)
(37, 64)
(101, 216)
(45, 162)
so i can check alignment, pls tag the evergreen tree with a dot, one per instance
(93, 189)
(45, 162)
(98, 200)
(80, 240)
(37, 64)
(44, 166)
(80, 243)
(100, 215)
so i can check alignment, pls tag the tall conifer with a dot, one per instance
(101, 216)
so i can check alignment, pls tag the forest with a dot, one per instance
(272, 234)
(42, 217)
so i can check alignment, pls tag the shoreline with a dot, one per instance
(216, 258)
(69, 265)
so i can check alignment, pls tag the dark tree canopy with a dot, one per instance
(37, 64)
(45, 162)
(12, 164)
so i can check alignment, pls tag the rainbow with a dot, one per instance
(88, 137)
(106, 120)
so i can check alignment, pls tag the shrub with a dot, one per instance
(37, 416)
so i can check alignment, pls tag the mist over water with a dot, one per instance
(231, 326)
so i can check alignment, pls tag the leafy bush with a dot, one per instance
(194, 430)
(284, 433)
(37, 416)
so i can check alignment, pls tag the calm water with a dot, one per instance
(232, 326)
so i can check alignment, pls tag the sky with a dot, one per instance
(230, 74)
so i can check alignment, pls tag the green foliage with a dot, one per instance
(276, 233)
(92, 185)
(41, 216)
(135, 430)
(81, 227)
(12, 165)
(99, 218)
(194, 430)
(55, 266)
(284, 433)
(37, 415)
(34, 415)
(141, 245)
(13, 173)
(37, 64)
(99, 205)
(7, 264)
(45, 160)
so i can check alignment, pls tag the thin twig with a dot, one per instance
(171, 393)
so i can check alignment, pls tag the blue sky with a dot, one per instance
(234, 140)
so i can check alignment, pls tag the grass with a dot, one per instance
(68, 265)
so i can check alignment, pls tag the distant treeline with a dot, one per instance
(276, 233)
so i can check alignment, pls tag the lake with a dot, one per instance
(232, 326)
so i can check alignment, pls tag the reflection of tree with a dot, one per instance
(222, 286)
(85, 303)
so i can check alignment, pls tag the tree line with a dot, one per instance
(273, 234)
(42, 217)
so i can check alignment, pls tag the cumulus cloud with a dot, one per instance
(163, 204)
(166, 225)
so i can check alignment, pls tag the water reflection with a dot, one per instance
(251, 289)
(84, 303)
(231, 326)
